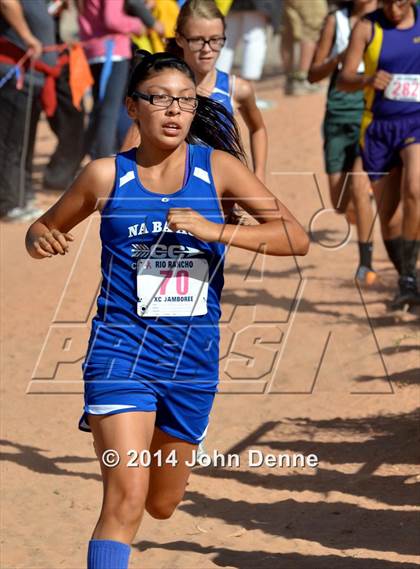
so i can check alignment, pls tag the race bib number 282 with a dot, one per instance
(404, 88)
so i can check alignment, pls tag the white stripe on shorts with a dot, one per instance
(204, 433)
(103, 409)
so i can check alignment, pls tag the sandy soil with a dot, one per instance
(310, 364)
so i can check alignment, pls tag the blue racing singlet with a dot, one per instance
(398, 52)
(222, 90)
(159, 302)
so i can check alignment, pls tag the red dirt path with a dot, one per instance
(311, 365)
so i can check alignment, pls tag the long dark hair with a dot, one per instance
(212, 125)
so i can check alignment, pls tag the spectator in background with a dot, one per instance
(24, 24)
(142, 10)
(99, 18)
(248, 20)
(302, 23)
(67, 123)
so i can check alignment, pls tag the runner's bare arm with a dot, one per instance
(247, 106)
(278, 230)
(49, 235)
(322, 64)
(349, 79)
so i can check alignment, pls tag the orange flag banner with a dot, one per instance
(80, 76)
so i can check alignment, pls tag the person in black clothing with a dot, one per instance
(67, 124)
(24, 24)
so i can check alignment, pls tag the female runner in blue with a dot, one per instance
(200, 36)
(388, 40)
(151, 370)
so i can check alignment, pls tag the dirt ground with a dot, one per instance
(310, 364)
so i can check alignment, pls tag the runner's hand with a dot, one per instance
(191, 221)
(52, 243)
(380, 80)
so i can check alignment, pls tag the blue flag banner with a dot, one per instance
(107, 68)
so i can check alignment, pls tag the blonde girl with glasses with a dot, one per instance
(200, 36)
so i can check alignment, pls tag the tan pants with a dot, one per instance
(304, 18)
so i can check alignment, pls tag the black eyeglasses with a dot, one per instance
(197, 44)
(165, 101)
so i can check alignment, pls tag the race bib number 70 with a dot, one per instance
(172, 287)
(404, 88)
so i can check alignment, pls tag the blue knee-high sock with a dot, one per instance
(107, 554)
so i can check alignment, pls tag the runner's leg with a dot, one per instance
(410, 190)
(124, 488)
(387, 195)
(339, 198)
(360, 186)
(168, 481)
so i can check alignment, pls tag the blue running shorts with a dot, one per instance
(182, 408)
